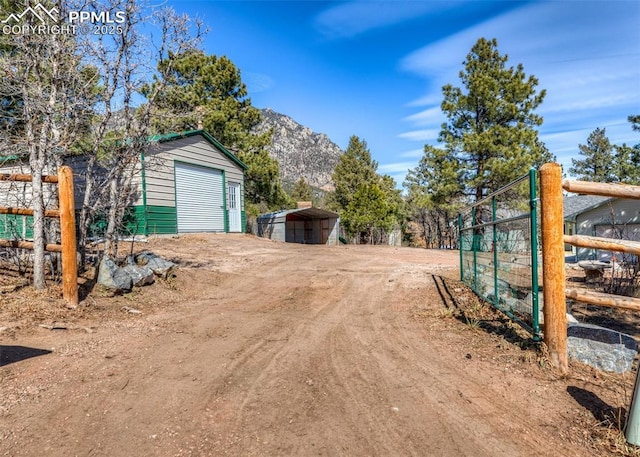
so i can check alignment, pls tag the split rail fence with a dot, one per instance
(553, 240)
(506, 274)
(66, 214)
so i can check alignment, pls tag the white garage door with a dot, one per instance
(199, 199)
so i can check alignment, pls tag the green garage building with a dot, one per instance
(186, 182)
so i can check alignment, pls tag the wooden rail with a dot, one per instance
(27, 211)
(601, 299)
(19, 244)
(52, 179)
(583, 241)
(602, 189)
(66, 214)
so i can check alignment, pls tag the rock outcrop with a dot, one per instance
(300, 151)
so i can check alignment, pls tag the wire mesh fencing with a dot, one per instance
(499, 251)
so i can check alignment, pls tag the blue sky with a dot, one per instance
(376, 68)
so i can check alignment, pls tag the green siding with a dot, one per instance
(12, 227)
(135, 221)
(161, 220)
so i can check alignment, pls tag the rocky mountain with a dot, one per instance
(300, 151)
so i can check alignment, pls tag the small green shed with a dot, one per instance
(189, 182)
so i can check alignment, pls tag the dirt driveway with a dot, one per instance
(259, 348)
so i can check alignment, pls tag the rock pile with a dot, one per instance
(139, 270)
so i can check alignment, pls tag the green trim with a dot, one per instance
(144, 193)
(535, 290)
(224, 202)
(460, 246)
(243, 213)
(178, 136)
(12, 158)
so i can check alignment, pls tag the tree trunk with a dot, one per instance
(110, 244)
(37, 204)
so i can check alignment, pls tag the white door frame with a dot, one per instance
(234, 206)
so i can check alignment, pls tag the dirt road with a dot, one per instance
(268, 349)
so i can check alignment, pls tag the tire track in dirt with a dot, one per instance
(270, 349)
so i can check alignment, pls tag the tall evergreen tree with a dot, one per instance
(626, 164)
(302, 191)
(207, 92)
(491, 126)
(627, 158)
(434, 191)
(369, 205)
(598, 163)
(355, 168)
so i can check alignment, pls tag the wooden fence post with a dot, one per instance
(68, 236)
(553, 269)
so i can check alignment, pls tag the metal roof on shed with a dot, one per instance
(312, 213)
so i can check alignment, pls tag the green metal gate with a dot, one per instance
(499, 251)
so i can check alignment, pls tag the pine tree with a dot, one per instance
(434, 190)
(599, 160)
(301, 191)
(355, 168)
(369, 204)
(491, 126)
(207, 92)
(627, 158)
(367, 209)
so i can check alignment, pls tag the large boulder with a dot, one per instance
(601, 348)
(111, 276)
(158, 265)
(140, 275)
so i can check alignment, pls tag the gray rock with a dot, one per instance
(158, 265)
(601, 348)
(141, 276)
(113, 277)
(141, 258)
(161, 267)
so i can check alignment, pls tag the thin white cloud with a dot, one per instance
(353, 18)
(397, 167)
(420, 135)
(413, 154)
(584, 54)
(427, 117)
(257, 82)
(432, 98)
